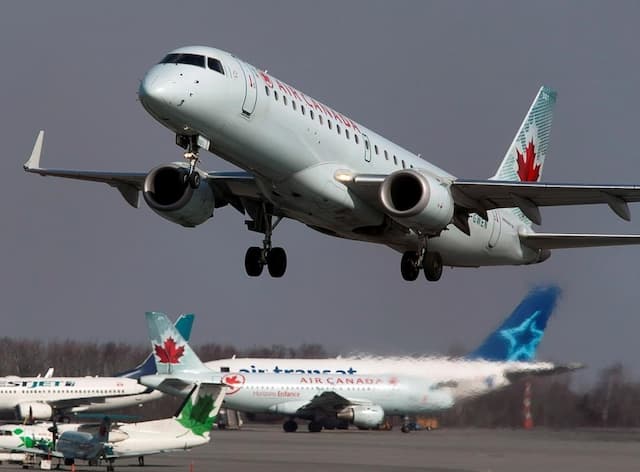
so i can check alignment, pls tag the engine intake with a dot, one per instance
(417, 200)
(34, 411)
(167, 193)
(363, 416)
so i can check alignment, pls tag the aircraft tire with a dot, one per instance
(408, 267)
(432, 265)
(253, 261)
(290, 426)
(194, 180)
(405, 428)
(277, 262)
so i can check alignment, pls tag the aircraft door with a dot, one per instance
(495, 222)
(367, 147)
(251, 89)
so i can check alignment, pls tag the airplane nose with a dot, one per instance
(155, 91)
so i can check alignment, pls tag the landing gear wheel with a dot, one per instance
(277, 262)
(432, 265)
(405, 428)
(141, 461)
(315, 427)
(194, 180)
(409, 266)
(290, 426)
(253, 261)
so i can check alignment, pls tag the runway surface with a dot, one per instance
(267, 449)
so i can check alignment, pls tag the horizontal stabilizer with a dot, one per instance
(567, 241)
(516, 375)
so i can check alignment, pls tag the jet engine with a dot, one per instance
(417, 200)
(170, 196)
(34, 410)
(363, 416)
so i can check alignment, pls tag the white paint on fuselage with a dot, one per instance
(295, 156)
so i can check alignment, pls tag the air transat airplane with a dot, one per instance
(363, 398)
(303, 160)
(190, 427)
(40, 398)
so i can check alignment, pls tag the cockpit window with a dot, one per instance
(184, 58)
(214, 64)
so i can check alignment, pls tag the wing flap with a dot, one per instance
(568, 241)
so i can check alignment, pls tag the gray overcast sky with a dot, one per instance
(451, 80)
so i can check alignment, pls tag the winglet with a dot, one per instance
(34, 160)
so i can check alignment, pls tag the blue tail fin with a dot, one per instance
(518, 337)
(148, 366)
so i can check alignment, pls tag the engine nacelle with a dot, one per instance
(419, 201)
(167, 193)
(363, 416)
(34, 410)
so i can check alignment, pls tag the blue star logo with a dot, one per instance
(523, 339)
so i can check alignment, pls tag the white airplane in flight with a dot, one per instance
(40, 398)
(303, 160)
(190, 427)
(361, 398)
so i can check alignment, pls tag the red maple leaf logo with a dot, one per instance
(528, 170)
(234, 382)
(169, 353)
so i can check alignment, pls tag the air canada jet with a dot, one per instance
(381, 387)
(303, 160)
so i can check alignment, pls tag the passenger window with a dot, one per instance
(386, 155)
(214, 64)
(329, 123)
(411, 165)
(355, 136)
(266, 90)
(311, 114)
(403, 166)
(346, 133)
(302, 109)
(375, 148)
(275, 95)
(320, 119)
(284, 99)
(395, 160)
(338, 128)
(293, 104)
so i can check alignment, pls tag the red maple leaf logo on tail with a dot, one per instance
(169, 352)
(528, 170)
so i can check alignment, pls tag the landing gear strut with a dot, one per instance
(412, 262)
(190, 145)
(275, 258)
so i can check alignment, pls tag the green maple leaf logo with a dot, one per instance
(196, 417)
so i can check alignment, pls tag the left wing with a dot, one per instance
(482, 195)
(39, 452)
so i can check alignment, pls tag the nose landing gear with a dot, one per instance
(275, 258)
(191, 147)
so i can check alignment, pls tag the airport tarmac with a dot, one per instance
(268, 449)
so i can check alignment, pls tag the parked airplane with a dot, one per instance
(305, 161)
(189, 428)
(40, 398)
(362, 399)
(538, 304)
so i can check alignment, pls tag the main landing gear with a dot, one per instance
(275, 258)
(190, 145)
(412, 262)
(290, 426)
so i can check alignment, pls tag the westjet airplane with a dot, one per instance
(190, 427)
(303, 160)
(41, 398)
(362, 398)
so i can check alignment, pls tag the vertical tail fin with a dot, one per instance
(518, 337)
(172, 353)
(199, 411)
(525, 157)
(184, 325)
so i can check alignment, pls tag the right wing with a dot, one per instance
(229, 187)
